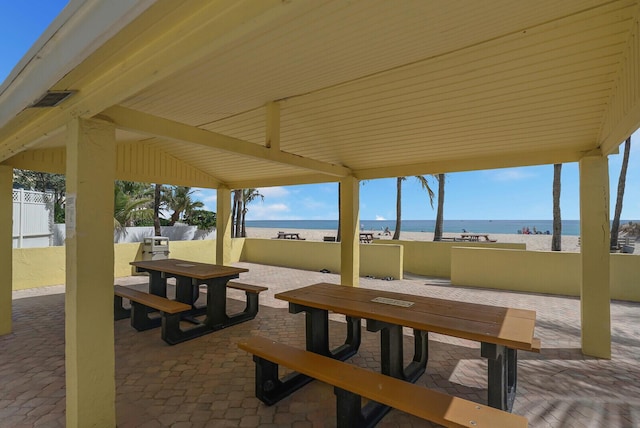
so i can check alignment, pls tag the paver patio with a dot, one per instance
(208, 382)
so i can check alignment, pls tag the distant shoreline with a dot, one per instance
(532, 242)
(569, 227)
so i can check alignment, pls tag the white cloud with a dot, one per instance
(511, 174)
(274, 192)
(379, 217)
(267, 211)
(208, 197)
(313, 204)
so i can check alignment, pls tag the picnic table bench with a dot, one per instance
(352, 383)
(141, 302)
(251, 292)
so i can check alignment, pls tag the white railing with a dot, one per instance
(32, 218)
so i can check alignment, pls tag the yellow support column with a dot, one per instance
(90, 357)
(594, 250)
(349, 222)
(6, 247)
(223, 226)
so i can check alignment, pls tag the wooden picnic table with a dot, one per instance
(287, 235)
(501, 331)
(189, 276)
(366, 237)
(475, 237)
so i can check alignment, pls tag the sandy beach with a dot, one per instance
(533, 242)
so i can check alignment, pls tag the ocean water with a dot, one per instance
(569, 227)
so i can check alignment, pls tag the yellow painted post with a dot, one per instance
(6, 247)
(223, 226)
(90, 357)
(349, 222)
(595, 298)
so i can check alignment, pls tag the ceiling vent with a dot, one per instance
(52, 98)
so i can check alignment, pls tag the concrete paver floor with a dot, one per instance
(208, 382)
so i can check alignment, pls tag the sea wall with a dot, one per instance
(546, 272)
(474, 265)
(39, 267)
(375, 260)
(430, 258)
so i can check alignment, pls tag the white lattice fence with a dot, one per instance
(32, 218)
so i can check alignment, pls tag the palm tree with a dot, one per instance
(396, 232)
(135, 189)
(178, 199)
(437, 233)
(248, 196)
(157, 200)
(621, 184)
(128, 209)
(339, 233)
(556, 239)
(425, 185)
(235, 213)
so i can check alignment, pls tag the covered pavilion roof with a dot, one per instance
(261, 93)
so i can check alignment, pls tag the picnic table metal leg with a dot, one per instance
(216, 311)
(140, 317)
(157, 283)
(350, 412)
(157, 286)
(217, 316)
(269, 387)
(216, 303)
(391, 348)
(119, 312)
(392, 362)
(317, 332)
(170, 331)
(502, 375)
(187, 290)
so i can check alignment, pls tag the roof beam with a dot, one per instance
(136, 121)
(291, 180)
(474, 164)
(134, 162)
(171, 39)
(53, 161)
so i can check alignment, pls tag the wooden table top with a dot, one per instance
(513, 328)
(189, 269)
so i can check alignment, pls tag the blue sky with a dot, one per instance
(504, 194)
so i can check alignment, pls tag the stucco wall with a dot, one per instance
(517, 270)
(625, 277)
(375, 260)
(39, 267)
(434, 258)
(539, 271)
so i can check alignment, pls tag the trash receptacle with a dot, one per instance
(155, 248)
